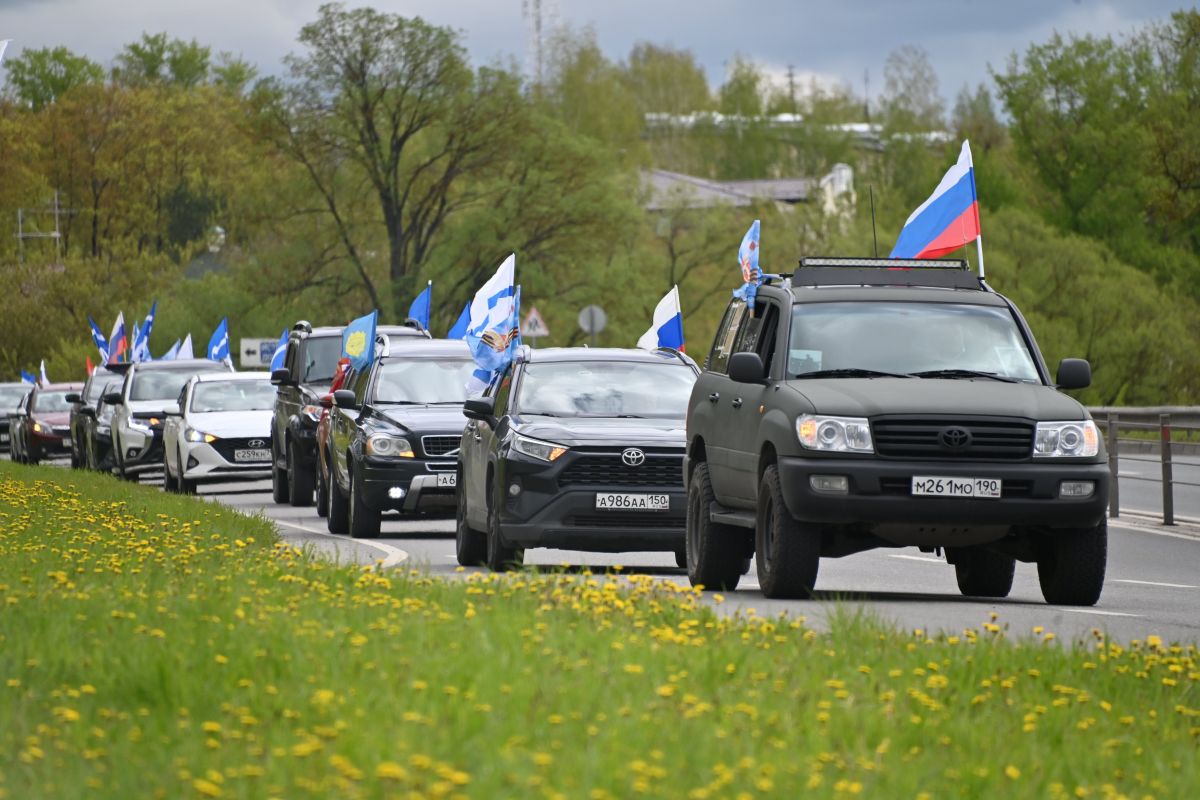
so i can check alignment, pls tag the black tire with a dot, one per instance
(714, 551)
(982, 573)
(787, 552)
(470, 546)
(279, 485)
(76, 461)
(299, 481)
(338, 520)
(322, 492)
(1071, 566)
(186, 486)
(500, 557)
(170, 484)
(363, 522)
(681, 558)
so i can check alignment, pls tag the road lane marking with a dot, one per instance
(394, 555)
(1099, 612)
(1156, 583)
(926, 559)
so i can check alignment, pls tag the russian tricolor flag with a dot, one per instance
(948, 219)
(117, 343)
(667, 330)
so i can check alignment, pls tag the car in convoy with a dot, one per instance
(149, 390)
(394, 432)
(83, 407)
(39, 428)
(11, 395)
(575, 448)
(220, 431)
(307, 371)
(864, 403)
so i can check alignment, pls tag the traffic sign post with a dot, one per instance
(533, 326)
(592, 320)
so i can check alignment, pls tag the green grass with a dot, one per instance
(159, 646)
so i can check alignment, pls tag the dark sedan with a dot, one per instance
(11, 395)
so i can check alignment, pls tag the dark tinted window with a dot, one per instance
(718, 358)
(321, 356)
(423, 380)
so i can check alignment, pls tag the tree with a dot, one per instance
(155, 59)
(743, 92)
(587, 92)
(40, 77)
(910, 91)
(666, 81)
(975, 119)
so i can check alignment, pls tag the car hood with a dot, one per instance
(150, 406)
(423, 419)
(233, 424)
(600, 431)
(53, 417)
(869, 397)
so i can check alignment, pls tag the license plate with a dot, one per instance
(935, 486)
(3, 437)
(447, 480)
(634, 502)
(252, 455)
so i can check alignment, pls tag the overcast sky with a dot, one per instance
(835, 41)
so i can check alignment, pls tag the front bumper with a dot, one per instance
(880, 494)
(406, 484)
(205, 462)
(51, 442)
(142, 451)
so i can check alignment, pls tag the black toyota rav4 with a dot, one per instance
(575, 448)
(866, 403)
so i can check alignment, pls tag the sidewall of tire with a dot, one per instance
(789, 562)
(714, 551)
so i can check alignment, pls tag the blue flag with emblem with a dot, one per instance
(421, 307)
(459, 329)
(358, 340)
(495, 345)
(100, 341)
(748, 261)
(218, 344)
(280, 351)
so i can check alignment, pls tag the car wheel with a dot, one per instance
(470, 546)
(1071, 566)
(788, 552)
(76, 461)
(339, 509)
(300, 483)
(500, 557)
(322, 492)
(681, 558)
(279, 486)
(364, 522)
(170, 483)
(714, 551)
(983, 573)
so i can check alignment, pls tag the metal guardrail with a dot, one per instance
(1164, 422)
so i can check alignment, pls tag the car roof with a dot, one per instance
(180, 364)
(16, 383)
(564, 354)
(430, 347)
(896, 294)
(210, 377)
(390, 330)
(60, 387)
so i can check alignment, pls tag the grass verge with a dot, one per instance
(159, 646)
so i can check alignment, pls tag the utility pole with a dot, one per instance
(541, 17)
(791, 73)
(867, 94)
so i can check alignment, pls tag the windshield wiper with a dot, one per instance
(963, 373)
(399, 403)
(539, 414)
(850, 372)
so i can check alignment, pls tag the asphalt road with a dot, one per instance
(1140, 477)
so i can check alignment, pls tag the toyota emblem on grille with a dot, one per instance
(955, 438)
(633, 457)
(256, 443)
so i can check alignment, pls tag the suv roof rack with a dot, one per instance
(943, 273)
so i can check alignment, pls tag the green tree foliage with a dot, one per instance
(974, 118)
(39, 77)
(911, 101)
(666, 81)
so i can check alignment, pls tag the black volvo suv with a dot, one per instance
(575, 448)
(864, 403)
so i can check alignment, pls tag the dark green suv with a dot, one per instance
(865, 403)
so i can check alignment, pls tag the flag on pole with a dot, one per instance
(87, 362)
(99, 340)
(459, 329)
(946, 221)
(218, 343)
(494, 332)
(667, 327)
(171, 354)
(116, 340)
(358, 340)
(280, 352)
(42, 376)
(3, 47)
(28, 378)
(422, 306)
(141, 336)
(748, 262)
(185, 349)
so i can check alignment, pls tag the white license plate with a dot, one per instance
(252, 455)
(634, 502)
(936, 486)
(3, 437)
(447, 480)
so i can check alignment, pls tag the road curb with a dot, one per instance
(1151, 522)
(394, 555)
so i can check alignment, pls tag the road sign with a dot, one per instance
(257, 353)
(534, 327)
(592, 319)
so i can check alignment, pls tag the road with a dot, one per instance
(1140, 477)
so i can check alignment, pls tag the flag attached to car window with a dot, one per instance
(358, 340)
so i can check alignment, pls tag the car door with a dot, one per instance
(343, 427)
(287, 401)
(759, 334)
(709, 407)
(480, 440)
(173, 432)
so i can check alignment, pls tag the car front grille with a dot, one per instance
(609, 471)
(1001, 439)
(225, 447)
(440, 445)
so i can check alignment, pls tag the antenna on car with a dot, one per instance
(874, 235)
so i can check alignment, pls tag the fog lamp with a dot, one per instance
(829, 484)
(1076, 488)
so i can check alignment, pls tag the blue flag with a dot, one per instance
(495, 346)
(141, 336)
(218, 345)
(421, 307)
(748, 261)
(28, 378)
(459, 329)
(280, 351)
(98, 338)
(358, 340)
(171, 354)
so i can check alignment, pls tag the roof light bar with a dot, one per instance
(885, 263)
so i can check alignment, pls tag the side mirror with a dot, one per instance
(747, 368)
(73, 397)
(480, 408)
(87, 411)
(1074, 373)
(326, 401)
(344, 398)
(112, 398)
(281, 377)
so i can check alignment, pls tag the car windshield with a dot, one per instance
(10, 396)
(163, 385)
(605, 389)
(232, 396)
(423, 380)
(907, 338)
(321, 354)
(97, 388)
(50, 402)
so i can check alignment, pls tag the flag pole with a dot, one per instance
(979, 249)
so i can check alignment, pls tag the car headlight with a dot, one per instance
(193, 435)
(38, 427)
(312, 412)
(536, 448)
(381, 445)
(1066, 439)
(834, 434)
